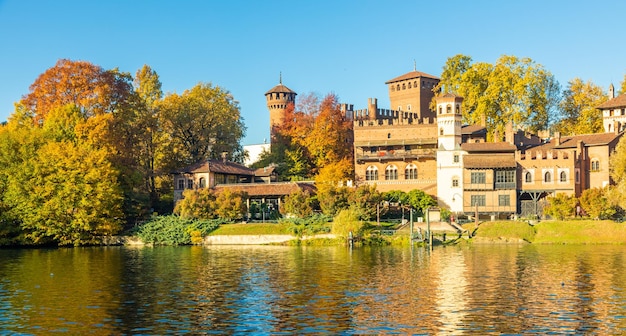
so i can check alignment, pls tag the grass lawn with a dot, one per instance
(252, 229)
(554, 232)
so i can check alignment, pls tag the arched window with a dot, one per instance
(403, 86)
(202, 183)
(458, 109)
(528, 178)
(371, 173)
(441, 131)
(415, 84)
(391, 172)
(440, 110)
(410, 172)
(595, 165)
(409, 85)
(547, 177)
(563, 177)
(448, 109)
(398, 87)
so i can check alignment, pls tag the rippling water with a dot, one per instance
(474, 290)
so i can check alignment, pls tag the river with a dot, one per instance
(469, 290)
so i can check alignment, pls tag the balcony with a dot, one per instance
(396, 155)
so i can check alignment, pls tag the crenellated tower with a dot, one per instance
(278, 98)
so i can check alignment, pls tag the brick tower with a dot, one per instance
(278, 98)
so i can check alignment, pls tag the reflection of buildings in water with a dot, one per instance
(452, 292)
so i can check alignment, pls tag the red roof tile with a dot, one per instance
(619, 101)
(268, 189)
(488, 147)
(472, 129)
(411, 75)
(483, 161)
(218, 166)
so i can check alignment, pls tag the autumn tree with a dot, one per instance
(513, 89)
(83, 84)
(197, 204)
(561, 206)
(299, 203)
(578, 108)
(230, 204)
(617, 166)
(596, 204)
(203, 122)
(622, 88)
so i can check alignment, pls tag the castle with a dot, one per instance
(412, 147)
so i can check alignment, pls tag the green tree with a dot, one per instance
(366, 201)
(578, 108)
(420, 201)
(67, 194)
(617, 166)
(334, 199)
(202, 122)
(622, 88)
(298, 203)
(513, 89)
(561, 206)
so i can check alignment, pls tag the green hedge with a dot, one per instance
(174, 230)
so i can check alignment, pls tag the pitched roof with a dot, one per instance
(411, 75)
(280, 88)
(488, 147)
(489, 161)
(619, 101)
(473, 129)
(268, 189)
(218, 166)
(597, 139)
(265, 171)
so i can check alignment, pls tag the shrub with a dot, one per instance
(348, 221)
(298, 203)
(175, 230)
(318, 223)
(596, 204)
(197, 204)
(561, 206)
(230, 205)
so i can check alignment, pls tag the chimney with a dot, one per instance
(557, 138)
(508, 134)
(224, 156)
(611, 91)
(372, 107)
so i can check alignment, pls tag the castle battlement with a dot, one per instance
(537, 155)
(385, 117)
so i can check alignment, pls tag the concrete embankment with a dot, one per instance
(256, 239)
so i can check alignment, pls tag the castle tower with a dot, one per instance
(449, 153)
(278, 98)
(412, 92)
(449, 119)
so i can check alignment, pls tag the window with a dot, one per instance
(577, 175)
(455, 182)
(409, 85)
(595, 165)
(563, 177)
(455, 158)
(202, 183)
(415, 84)
(441, 131)
(478, 200)
(505, 179)
(478, 177)
(440, 110)
(189, 184)
(410, 172)
(181, 184)
(398, 87)
(458, 109)
(528, 177)
(448, 109)
(504, 200)
(408, 107)
(371, 173)
(391, 173)
(388, 135)
(403, 86)
(547, 177)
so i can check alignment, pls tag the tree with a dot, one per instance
(197, 204)
(333, 199)
(365, 200)
(596, 204)
(67, 194)
(83, 84)
(578, 108)
(202, 122)
(617, 166)
(230, 205)
(513, 89)
(298, 203)
(420, 201)
(561, 206)
(622, 88)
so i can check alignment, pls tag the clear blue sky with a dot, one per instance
(349, 48)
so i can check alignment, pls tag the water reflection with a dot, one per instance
(295, 290)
